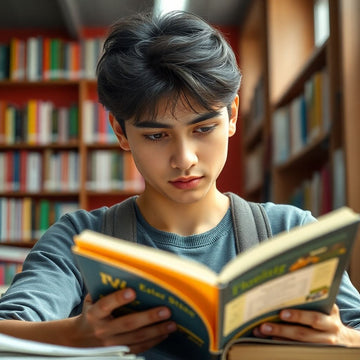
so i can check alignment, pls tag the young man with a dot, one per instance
(171, 86)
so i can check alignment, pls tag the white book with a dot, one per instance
(281, 133)
(63, 123)
(88, 122)
(33, 180)
(103, 170)
(32, 59)
(45, 122)
(3, 219)
(321, 22)
(339, 178)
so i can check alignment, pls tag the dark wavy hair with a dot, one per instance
(175, 56)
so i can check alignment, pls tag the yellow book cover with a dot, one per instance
(32, 108)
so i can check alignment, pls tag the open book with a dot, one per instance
(299, 269)
(14, 348)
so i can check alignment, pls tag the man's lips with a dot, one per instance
(186, 182)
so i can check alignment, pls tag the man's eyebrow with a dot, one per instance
(160, 125)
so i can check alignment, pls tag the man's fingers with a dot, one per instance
(106, 305)
(314, 319)
(132, 322)
(296, 333)
(143, 335)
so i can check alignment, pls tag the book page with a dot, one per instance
(13, 345)
(308, 284)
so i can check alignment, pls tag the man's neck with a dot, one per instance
(184, 219)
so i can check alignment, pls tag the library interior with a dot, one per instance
(297, 137)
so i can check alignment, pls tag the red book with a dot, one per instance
(23, 170)
(46, 58)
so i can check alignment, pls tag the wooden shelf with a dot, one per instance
(18, 243)
(316, 62)
(41, 194)
(73, 145)
(314, 153)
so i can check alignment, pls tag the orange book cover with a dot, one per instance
(14, 58)
(26, 219)
(46, 58)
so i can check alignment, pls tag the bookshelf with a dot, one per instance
(307, 130)
(254, 104)
(54, 136)
(350, 47)
(290, 106)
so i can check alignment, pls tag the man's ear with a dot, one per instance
(124, 144)
(234, 116)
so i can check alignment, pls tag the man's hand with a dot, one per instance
(311, 327)
(140, 331)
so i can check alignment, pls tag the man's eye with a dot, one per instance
(205, 129)
(155, 137)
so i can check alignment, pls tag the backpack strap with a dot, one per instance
(251, 223)
(120, 220)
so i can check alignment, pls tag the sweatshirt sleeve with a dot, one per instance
(50, 285)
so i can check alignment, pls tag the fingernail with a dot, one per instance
(266, 328)
(171, 327)
(128, 294)
(164, 313)
(285, 314)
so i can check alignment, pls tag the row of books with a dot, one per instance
(304, 119)
(26, 219)
(7, 271)
(41, 58)
(315, 194)
(38, 123)
(31, 171)
(96, 126)
(110, 170)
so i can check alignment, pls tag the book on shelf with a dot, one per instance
(15, 348)
(297, 269)
(321, 22)
(284, 350)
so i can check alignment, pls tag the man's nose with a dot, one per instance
(184, 155)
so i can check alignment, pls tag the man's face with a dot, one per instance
(181, 153)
